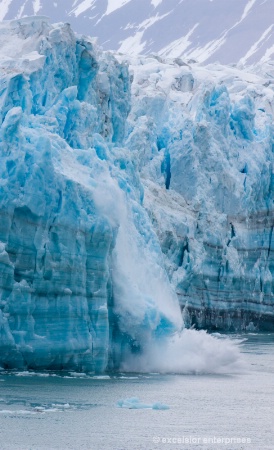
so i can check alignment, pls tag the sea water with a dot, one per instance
(71, 411)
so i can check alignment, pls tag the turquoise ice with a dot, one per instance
(122, 190)
(82, 276)
(203, 137)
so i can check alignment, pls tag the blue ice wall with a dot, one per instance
(80, 264)
(122, 190)
(203, 137)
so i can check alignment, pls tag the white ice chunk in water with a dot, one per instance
(135, 403)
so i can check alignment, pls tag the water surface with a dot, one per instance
(72, 411)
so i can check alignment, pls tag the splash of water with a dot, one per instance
(188, 352)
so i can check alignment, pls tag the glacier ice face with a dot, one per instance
(203, 137)
(80, 263)
(112, 201)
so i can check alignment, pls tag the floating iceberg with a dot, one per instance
(134, 403)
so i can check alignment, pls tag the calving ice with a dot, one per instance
(116, 201)
(82, 278)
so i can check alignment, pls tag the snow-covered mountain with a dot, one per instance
(228, 31)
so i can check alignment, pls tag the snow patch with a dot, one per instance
(177, 48)
(156, 3)
(151, 21)
(255, 47)
(83, 7)
(268, 54)
(247, 9)
(133, 44)
(4, 8)
(36, 6)
(113, 5)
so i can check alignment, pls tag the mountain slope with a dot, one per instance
(205, 30)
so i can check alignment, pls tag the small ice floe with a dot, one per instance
(61, 406)
(54, 407)
(78, 374)
(16, 412)
(134, 403)
(27, 373)
(101, 377)
(127, 378)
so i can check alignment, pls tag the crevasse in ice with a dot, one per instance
(113, 200)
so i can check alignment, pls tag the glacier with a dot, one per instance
(125, 185)
(80, 265)
(208, 177)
